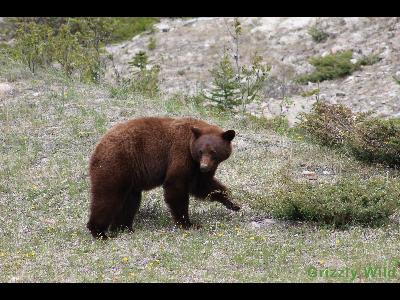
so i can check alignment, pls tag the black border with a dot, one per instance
(200, 8)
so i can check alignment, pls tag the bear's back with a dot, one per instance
(142, 149)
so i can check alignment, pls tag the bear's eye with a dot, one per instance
(213, 153)
(200, 152)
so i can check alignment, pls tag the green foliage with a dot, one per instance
(368, 60)
(146, 81)
(74, 43)
(143, 80)
(317, 34)
(12, 24)
(116, 29)
(351, 201)
(152, 43)
(327, 124)
(140, 60)
(335, 66)
(310, 93)
(278, 124)
(252, 80)
(67, 50)
(233, 87)
(33, 45)
(128, 27)
(371, 140)
(377, 140)
(225, 93)
(330, 67)
(397, 80)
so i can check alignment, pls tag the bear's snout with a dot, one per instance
(204, 167)
(205, 164)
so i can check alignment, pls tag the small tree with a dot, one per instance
(32, 45)
(145, 80)
(140, 60)
(232, 88)
(252, 81)
(225, 92)
(67, 50)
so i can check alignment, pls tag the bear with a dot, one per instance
(179, 154)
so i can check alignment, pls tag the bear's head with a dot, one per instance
(209, 148)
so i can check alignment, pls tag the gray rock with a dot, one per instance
(5, 88)
(263, 223)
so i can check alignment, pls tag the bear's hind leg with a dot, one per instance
(124, 218)
(102, 212)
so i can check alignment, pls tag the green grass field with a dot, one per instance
(48, 128)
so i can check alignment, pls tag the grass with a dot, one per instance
(47, 136)
(317, 34)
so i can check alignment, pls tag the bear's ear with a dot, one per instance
(228, 135)
(196, 131)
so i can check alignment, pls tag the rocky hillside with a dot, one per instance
(187, 49)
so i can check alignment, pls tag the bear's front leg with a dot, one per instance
(176, 196)
(215, 190)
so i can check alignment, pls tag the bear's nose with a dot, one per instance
(203, 167)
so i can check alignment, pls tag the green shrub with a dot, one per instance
(317, 34)
(335, 66)
(372, 140)
(351, 201)
(122, 28)
(329, 124)
(33, 45)
(74, 43)
(330, 67)
(146, 81)
(377, 140)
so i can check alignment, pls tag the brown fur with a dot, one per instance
(144, 153)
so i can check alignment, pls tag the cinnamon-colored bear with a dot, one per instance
(182, 155)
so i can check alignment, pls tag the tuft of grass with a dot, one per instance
(317, 34)
(152, 43)
(397, 80)
(368, 60)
